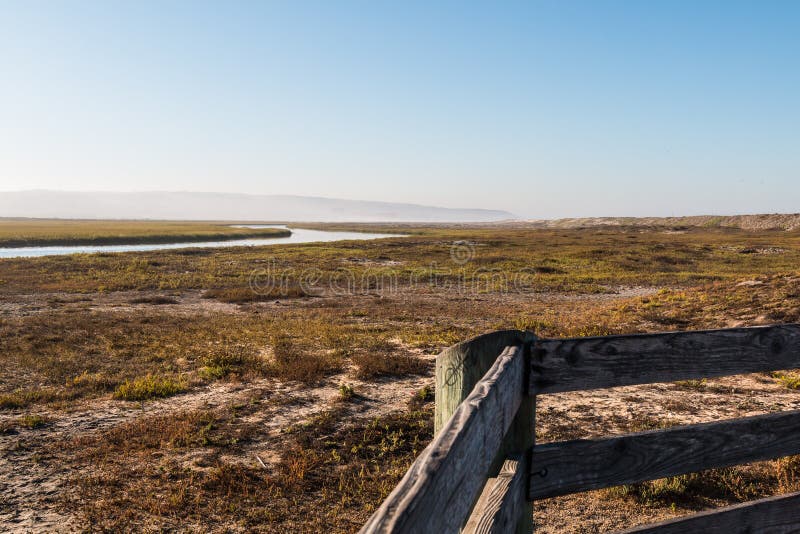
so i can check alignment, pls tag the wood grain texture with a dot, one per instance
(581, 465)
(438, 491)
(502, 502)
(775, 515)
(459, 368)
(559, 365)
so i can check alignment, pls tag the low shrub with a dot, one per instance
(32, 421)
(149, 387)
(233, 360)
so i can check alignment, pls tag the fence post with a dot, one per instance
(458, 369)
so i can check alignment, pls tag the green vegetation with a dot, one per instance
(46, 232)
(32, 421)
(149, 387)
(346, 391)
(791, 379)
(225, 361)
(505, 260)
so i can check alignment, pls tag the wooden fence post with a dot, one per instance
(462, 366)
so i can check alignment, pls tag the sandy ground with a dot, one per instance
(30, 489)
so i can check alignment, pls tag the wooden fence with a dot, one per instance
(482, 471)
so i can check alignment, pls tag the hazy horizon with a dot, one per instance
(176, 205)
(544, 109)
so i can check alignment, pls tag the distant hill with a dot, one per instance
(776, 221)
(225, 206)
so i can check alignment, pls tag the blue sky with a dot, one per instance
(546, 109)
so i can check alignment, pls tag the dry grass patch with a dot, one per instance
(23, 398)
(383, 358)
(715, 487)
(244, 295)
(234, 360)
(294, 360)
(137, 479)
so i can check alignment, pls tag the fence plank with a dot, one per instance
(459, 368)
(438, 491)
(775, 515)
(559, 365)
(502, 502)
(581, 465)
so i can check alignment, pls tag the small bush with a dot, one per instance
(346, 391)
(233, 360)
(790, 380)
(422, 397)
(425, 394)
(32, 421)
(787, 472)
(149, 387)
(12, 400)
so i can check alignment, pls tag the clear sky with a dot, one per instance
(547, 109)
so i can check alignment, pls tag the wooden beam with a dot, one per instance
(502, 502)
(459, 368)
(559, 365)
(438, 491)
(581, 465)
(775, 515)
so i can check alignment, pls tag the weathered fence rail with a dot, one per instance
(483, 470)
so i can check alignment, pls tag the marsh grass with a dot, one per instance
(587, 261)
(332, 471)
(44, 232)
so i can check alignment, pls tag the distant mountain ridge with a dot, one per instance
(226, 206)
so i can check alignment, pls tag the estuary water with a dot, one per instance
(299, 235)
